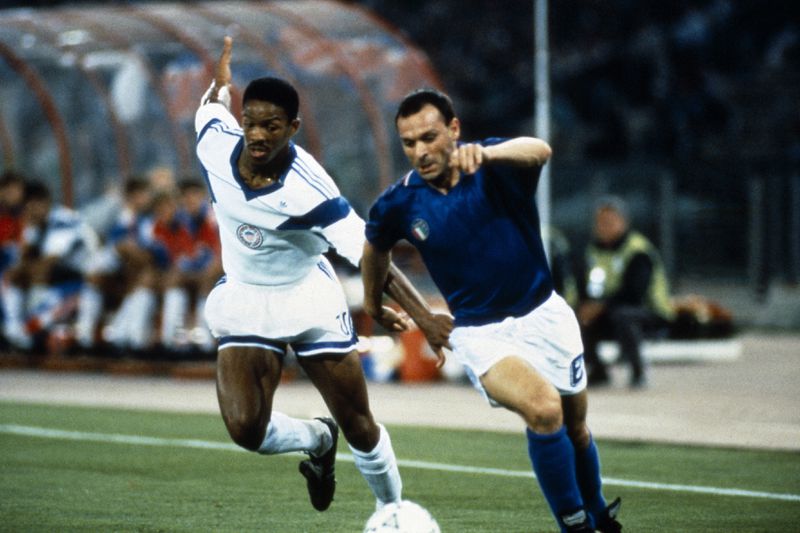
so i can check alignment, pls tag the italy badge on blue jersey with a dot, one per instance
(420, 229)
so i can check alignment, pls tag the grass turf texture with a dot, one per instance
(54, 484)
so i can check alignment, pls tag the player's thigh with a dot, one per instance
(514, 383)
(340, 381)
(247, 377)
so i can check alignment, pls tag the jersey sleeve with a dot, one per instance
(337, 223)
(347, 237)
(209, 114)
(511, 180)
(383, 227)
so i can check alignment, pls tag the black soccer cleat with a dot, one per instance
(319, 471)
(607, 522)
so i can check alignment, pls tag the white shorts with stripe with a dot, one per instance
(310, 315)
(548, 338)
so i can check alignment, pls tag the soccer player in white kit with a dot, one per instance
(278, 211)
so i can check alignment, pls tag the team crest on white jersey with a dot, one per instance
(249, 235)
(420, 229)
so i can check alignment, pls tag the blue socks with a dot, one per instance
(587, 470)
(553, 459)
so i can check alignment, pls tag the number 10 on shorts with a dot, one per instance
(345, 323)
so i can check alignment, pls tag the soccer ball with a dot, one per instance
(402, 517)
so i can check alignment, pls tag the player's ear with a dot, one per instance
(454, 128)
(294, 126)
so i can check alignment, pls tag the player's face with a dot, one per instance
(165, 209)
(35, 211)
(428, 141)
(12, 195)
(609, 225)
(140, 200)
(193, 200)
(267, 131)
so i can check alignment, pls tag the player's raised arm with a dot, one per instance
(220, 88)
(519, 151)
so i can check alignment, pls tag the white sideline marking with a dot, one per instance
(49, 433)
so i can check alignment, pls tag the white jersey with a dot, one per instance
(274, 235)
(65, 235)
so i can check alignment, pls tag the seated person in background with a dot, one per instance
(12, 193)
(41, 287)
(195, 209)
(624, 291)
(121, 271)
(189, 266)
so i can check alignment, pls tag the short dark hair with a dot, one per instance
(37, 190)
(612, 202)
(276, 91)
(189, 182)
(11, 177)
(135, 183)
(414, 101)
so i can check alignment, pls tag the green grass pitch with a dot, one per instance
(89, 469)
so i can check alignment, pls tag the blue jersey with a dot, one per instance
(481, 241)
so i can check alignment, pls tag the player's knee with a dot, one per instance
(245, 433)
(543, 414)
(361, 432)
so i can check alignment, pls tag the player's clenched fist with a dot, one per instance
(468, 158)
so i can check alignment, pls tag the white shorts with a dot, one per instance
(548, 338)
(310, 315)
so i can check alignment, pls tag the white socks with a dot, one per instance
(286, 434)
(13, 305)
(140, 320)
(133, 323)
(90, 307)
(173, 315)
(379, 468)
(13, 299)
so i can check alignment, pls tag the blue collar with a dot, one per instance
(249, 193)
(415, 181)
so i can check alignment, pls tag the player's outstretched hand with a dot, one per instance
(468, 158)
(436, 328)
(222, 74)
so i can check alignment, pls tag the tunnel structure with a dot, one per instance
(91, 94)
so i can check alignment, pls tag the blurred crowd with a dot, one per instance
(677, 79)
(128, 274)
(690, 80)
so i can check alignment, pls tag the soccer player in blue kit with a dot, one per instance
(469, 209)
(278, 212)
